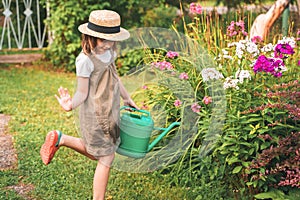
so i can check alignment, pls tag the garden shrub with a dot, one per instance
(257, 153)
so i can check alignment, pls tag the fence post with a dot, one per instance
(285, 20)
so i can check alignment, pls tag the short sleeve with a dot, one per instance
(84, 65)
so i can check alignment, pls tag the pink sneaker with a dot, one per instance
(50, 146)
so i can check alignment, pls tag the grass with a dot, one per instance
(27, 94)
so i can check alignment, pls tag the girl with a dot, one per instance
(98, 97)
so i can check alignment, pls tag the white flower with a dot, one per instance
(267, 48)
(230, 83)
(232, 44)
(239, 53)
(224, 51)
(242, 74)
(252, 48)
(240, 47)
(224, 54)
(210, 74)
(288, 40)
(227, 57)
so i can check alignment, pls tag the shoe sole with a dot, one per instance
(48, 149)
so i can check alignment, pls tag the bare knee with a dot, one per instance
(106, 160)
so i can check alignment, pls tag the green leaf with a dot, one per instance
(265, 145)
(274, 195)
(237, 169)
(233, 160)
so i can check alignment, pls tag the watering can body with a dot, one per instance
(135, 132)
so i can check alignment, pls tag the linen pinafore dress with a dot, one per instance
(99, 114)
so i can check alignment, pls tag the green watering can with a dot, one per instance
(135, 132)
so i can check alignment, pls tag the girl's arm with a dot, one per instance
(68, 103)
(126, 97)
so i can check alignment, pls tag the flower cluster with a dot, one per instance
(283, 49)
(256, 39)
(172, 54)
(177, 103)
(241, 75)
(211, 74)
(230, 83)
(196, 107)
(207, 100)
(162, 65)
(274, 66)
(195, 8)
(244, 47)
(275, 63)
(184, 76)
(267, 58)
(235, 28)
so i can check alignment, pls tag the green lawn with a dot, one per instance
(27, 94)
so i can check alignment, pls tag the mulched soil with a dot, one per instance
(8, 158)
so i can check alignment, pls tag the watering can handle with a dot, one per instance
(131, 108)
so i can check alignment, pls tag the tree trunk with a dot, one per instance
(262, 24)
(298, 6)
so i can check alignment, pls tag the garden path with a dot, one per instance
(8, 158)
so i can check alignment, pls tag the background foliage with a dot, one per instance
(255, 157)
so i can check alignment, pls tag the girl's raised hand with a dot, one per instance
(64, 99)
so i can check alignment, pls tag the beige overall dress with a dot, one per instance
(99, 114)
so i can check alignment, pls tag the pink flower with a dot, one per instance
(195, 8)
(207, 100)
(196, 107)
(172, 54)
(256, 39)
(298, 62)
(183, 76)
(163, 65)
(177, 103)
(145, 87)
(236, 28)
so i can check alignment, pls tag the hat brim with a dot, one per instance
(122, 35)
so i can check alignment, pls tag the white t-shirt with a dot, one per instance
(84, 65)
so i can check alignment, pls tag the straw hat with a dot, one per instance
(104, 24)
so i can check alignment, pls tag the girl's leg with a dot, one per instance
(75, 144)
(50, 146)
(101, 177)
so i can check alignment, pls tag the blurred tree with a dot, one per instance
(238, 3)
(132, 11)
(298, 5)
(160, 16)
(262, 24)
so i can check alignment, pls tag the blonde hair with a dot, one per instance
(89, 43)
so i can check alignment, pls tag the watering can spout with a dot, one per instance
(164, 133)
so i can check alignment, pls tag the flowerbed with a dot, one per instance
(256, 155)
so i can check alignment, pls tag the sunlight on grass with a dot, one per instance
(27, 94)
